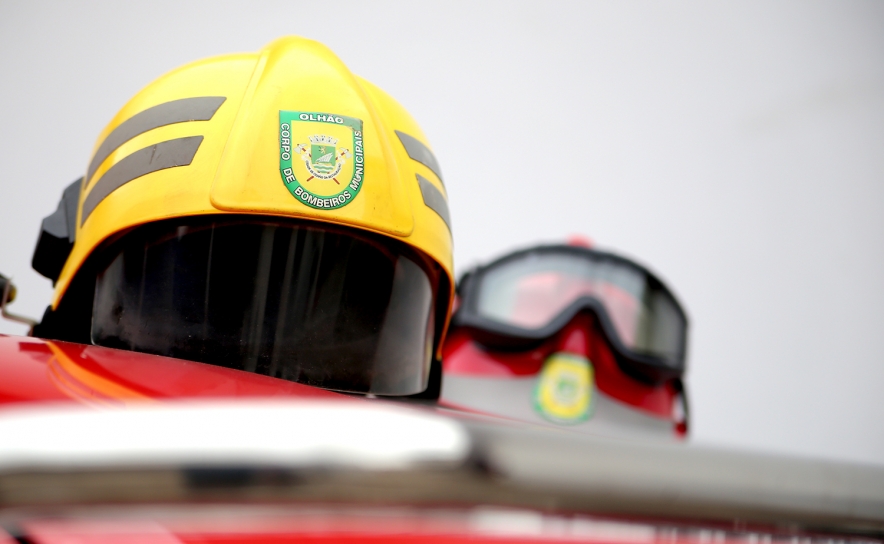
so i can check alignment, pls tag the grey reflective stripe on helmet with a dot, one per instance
(200, 108)
(434, 199)
(420, 153)
(168, 154)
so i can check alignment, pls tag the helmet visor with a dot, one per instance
(328, 307)
(533, 289)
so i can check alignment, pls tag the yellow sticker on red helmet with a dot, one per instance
(564, 391)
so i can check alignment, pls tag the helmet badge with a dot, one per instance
(324, 177)
(564, 390)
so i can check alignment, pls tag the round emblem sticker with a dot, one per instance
(564, 389)
(321, 157)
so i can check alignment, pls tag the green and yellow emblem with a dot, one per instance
(564, 391)
(321, 157)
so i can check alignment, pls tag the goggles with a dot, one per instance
(525, 298)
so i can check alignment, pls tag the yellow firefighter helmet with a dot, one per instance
(271, 212)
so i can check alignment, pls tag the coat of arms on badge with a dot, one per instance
(564, 389)
(325, 177)
(322, 159)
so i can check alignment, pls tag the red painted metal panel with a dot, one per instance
(32, 369)
(409, 526)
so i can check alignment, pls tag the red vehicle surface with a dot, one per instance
(36, 370)
(88, 456)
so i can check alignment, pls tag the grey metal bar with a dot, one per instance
(627, 477)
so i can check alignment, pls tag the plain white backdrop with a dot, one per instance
(735, 148)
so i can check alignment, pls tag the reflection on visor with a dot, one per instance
(324, 307)
(531, 291)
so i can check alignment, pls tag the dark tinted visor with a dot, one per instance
(328, 307)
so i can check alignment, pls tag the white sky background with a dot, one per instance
(735, 148)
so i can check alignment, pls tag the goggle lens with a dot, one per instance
(532, 290)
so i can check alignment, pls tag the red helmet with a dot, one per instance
(569, 335)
